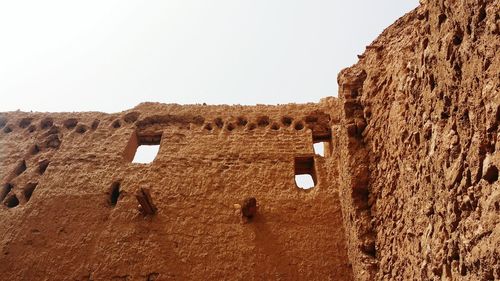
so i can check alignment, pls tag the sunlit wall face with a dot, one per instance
(111, 55)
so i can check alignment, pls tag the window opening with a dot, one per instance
(146, 154)
(319, 148)
(143, 148)
(322, 143)
(305, 174)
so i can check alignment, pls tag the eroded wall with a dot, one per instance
(210, 158)
(423, 105)
(407, 191)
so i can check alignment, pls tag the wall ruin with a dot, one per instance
(81, 220)
(407, 190)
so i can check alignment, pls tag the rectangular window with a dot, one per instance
(305, 174)
(322, 144)
(143, 149)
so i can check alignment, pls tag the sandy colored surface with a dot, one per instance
(407, 190)
(423, 105)
(71, 230)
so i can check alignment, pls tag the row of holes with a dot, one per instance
(48, 123)
(7, 195)
(21, 167)
(10, 199)
(71, 123)
(261, 122)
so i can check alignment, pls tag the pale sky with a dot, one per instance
(111, 55)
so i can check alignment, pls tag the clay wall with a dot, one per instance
(210, 158)
(407, 190)
(423, 105)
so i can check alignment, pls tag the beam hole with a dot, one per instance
(28, 190)
(11, 201)
(114, 194)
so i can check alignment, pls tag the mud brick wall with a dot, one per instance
(80, 220)
(407, 190)
(423, 105)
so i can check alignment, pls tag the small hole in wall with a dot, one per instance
(116, 124)
(70, 123)
(42, 166)
(198, 120)
(491, 174)
(131, 117)
(21, 167)
(31, 128)
(263, 121)
(6, 188)
(251, 126)
(425, 43)
(482, 14)
(432, 82)
(299, 126)
(354, 94)
(230, 126)
(241, 121)
(319, 148)
(25, 122)
(114, 194)
(11, 201)
(441, 19)
(208, 127)
(7, 129)
(305, 175)
(457, 39)
(52, 131)
(95, 124)
(46, 123)
(81, 129)
(487, 64)
(286, 121)
(218, 122)
(275, 126)
(28, 190)
(53, 141)
(34, 149)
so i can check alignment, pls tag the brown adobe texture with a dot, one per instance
(420, 191)
(407, 189)
(70, 212)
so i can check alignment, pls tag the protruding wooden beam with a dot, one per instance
(249, 207)
(146, 202)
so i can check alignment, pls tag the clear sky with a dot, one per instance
(111, 55)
